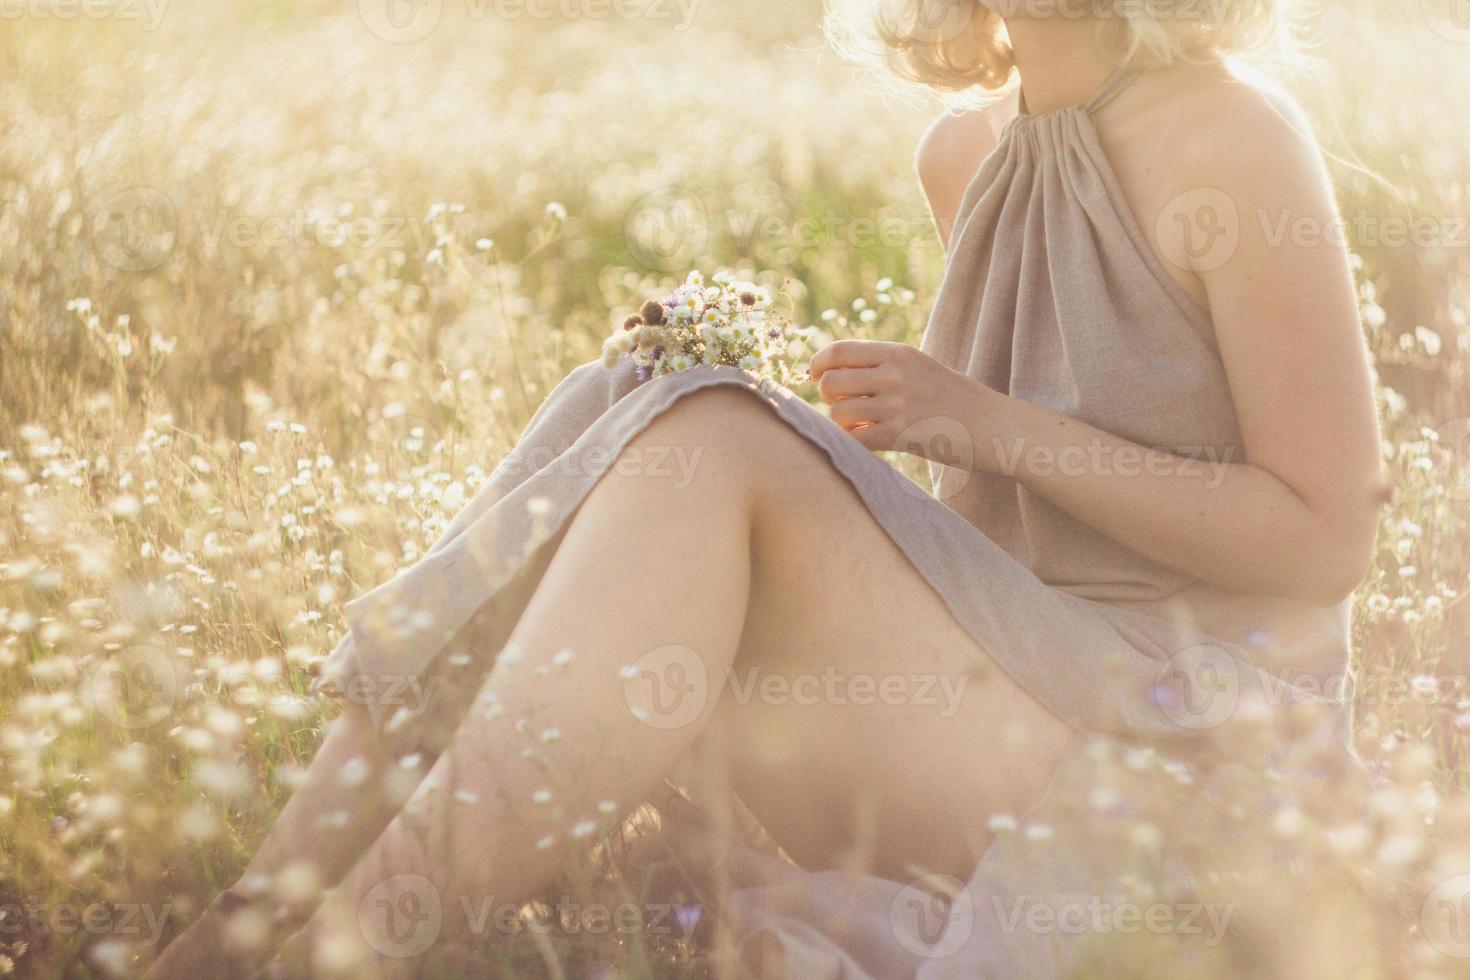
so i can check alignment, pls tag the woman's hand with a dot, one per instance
(894, 396)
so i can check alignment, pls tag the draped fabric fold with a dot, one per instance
(1051, 295)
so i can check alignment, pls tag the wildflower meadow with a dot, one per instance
(282, 280)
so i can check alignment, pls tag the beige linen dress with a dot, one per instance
(1052, 295)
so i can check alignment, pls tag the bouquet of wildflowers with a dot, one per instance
(726, 322)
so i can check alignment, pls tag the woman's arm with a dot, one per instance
(1297, 516)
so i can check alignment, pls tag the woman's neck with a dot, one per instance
(1060, 60)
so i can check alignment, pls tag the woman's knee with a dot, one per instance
(717, 412)
(721, 431)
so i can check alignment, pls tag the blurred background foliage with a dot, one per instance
(275, 293)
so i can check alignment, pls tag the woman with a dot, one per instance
(1152, 432)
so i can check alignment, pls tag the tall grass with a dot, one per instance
(276, 294)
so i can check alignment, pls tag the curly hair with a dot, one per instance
(958, 45)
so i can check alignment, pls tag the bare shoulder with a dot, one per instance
(1235, 128)
(951, 152)
(1197, 148)
(959, 141)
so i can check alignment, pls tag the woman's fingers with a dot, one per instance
(850, 354)
(838, 383)
(857, 378)
(849, 412)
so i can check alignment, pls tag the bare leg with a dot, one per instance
(358, 780)
(219, 941)
(651, 574)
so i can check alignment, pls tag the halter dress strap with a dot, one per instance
(1111, 89)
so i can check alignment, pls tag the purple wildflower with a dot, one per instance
(1166, 695)
(688, 917)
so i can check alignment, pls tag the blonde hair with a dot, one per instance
(958, 45)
